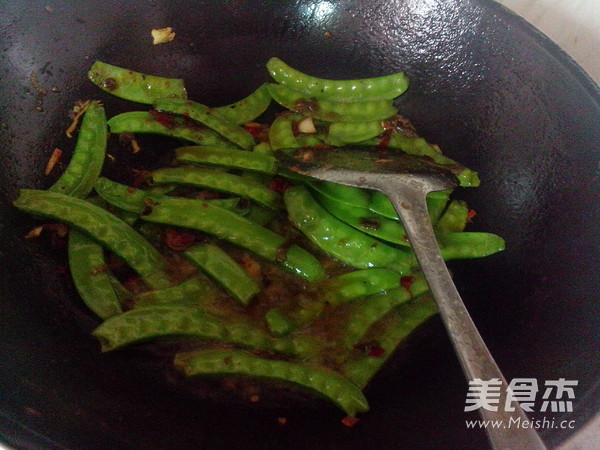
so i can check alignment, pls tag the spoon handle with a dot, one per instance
(474, 356)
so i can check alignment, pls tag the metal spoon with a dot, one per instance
(407, 180)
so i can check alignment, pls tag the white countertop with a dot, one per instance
(572, 24)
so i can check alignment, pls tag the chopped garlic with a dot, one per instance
(307, 126)
(162, 35)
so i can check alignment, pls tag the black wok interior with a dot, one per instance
(486, 87)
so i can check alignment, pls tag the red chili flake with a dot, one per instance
(385, 140)
(133, 284)
(253, 128)
(471, 214)
(350, 421)
(406, 283)
(279, 185)
(254, 399)
(54, 159)
(178, 240)
(100, 269)
(282, 420)
(166, 120)
(372, 349)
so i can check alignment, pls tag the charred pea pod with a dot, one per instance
(331, 111)
(135, 200)
(90, 275)
(378, 345)
(88, 157)
(316, 378)
(247, 109)
(204, 115)
(217, 181)
(224, 270)
(367, 311)
(134, 86)
(366, 89)
(104, 227)
(219, 156)
(340, 240)
(164, 321)
(238, 230)
(153, 122)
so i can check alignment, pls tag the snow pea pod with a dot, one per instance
(316, 378)
(224, 270)
(218, 181)
(454, 219)
(360, 283)
(367, 311)
(331, 111)
(340, 240)
(281, 132)
(366, 221)
(88, 157)
(238, 230)
(247, 109)
(135, 200)
(195, 290)
(164, 124)
(153, 322)
(468, 245)
(219, 156)
(436, 203)
(104, 227)
(348, 195)
(204, 115)
(95, 287)
(388, 334)
(278, 323)
(134, 86)
(378, 88)
(415, 145)
(340, 133)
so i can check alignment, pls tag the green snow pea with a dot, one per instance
(378, 88)
(279, 324)
(366, 221)
(331, 111)
(135, 200)
(195, 290)
(153, 122)
(134, 86)
(88, 157)
(340, 240)
(468, 245)
(218, 181)
(454, 219)
(204, 115)
(219, 156)
(153, 322)
(104, 227)
(325, 381)
(281, 132)
(367, 311)
(238, 230)
(388, 333)
(348, 195)
(360, 283)
(436, 203)
(247, 109)
(93, 282)
(341, 133)
(224, 270)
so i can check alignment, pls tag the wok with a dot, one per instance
(486, 87)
